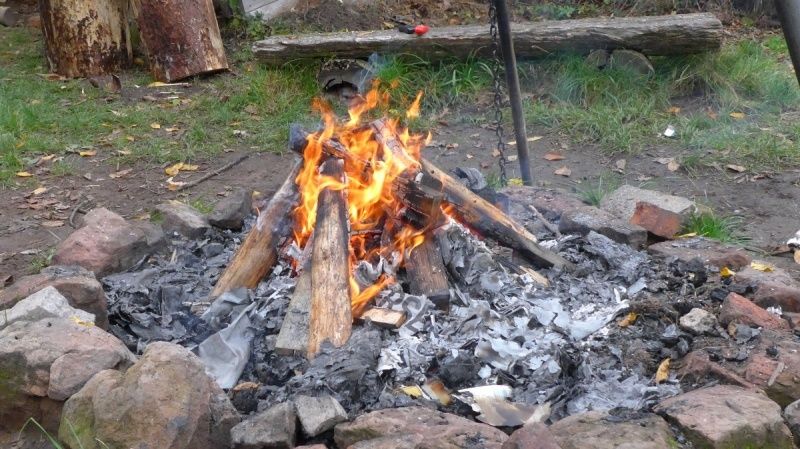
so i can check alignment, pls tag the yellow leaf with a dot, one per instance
(674, 110)
(81, 322)
(515, 182)
(761, 266)
(155, 125)
(188, 167)
(88, 153)
(156, 84)
(173, 170)
(726, 272)
(40, 190)
(662, 373)
(629, 319)
(129, 138)
(686, 236)
(737, 115)
(174, 185)
(47, 158)
(412, 390)
(24, 174)
(563, 171)
(673, 165)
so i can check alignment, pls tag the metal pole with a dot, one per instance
(789, 13)
(512, 80)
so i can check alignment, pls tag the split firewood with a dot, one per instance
(386, 318)
(427, 274)
(651, 35)
(259, 251)
(331, 317)
(471, 208)
(293, 336)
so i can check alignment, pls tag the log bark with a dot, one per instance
(427, 274)
(331, 316)
(182, 38)
(653, 35)
(259, 251)
(85, 37)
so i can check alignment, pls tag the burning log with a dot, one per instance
(654, 35)
(259, 251)
(331, 316)
(182, 38)
(427, 274)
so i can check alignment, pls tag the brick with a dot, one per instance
(588, 218)
(740, 310)
(656, 220)
(709, 251)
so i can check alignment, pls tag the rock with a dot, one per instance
(273, 428)
(410, 441)
(551, 203)
(598, 59)
(318, 414)
(622, 202)
(631, 60)
(791, 414)
(244, 397)
(656, 220)
(725, 416)
(183, 219)
(778, 276)
(8, 17)
(231, 211)
(438, 430)
(588, 218)
(710, 252)
(698, 322)
(647, 431)
(46, 303)
(107, 243)
(740, 310)
(77, 284)
(776, 375)
(771, 294)
(48, 361)
(313, 446)
(164, 401)
(532, 436)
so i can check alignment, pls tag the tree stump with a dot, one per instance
(181, 37)
(85, 37)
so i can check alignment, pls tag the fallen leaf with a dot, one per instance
(120, 173)
(629, 319)
(737, 115)
(515, 182)
(512, 158)
(123, 152)
(172, 130)
(674, 110)
(129, 138)
(736, 168)
(53, 223)
(662, 373)
(39, 191)
(188, 167)
(412, 390)
(469, 156)
(496, 153)
(620, 164)
(155, 125)
(87, 153)
(47, 158)
(251, 109)
(24, 174)
(686, 236)
(553, 156)
(673, 165)
(157, 84)
(797, 257)
(726, 272)
(173, 170)
(563, 171)
(174, 185)
(81, 322)
(761, 266)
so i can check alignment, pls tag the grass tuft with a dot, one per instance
(723, 229)
(593, 194)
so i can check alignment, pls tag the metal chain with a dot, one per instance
(497, 65)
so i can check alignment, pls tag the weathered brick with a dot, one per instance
(740, 310)
(656, 220)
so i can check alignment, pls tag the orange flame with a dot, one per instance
(370, 170)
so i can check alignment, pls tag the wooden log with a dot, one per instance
(293, 336)
(259, 251)
(331, 316)
(182, 38)
(386, 318)
(654, 35)
(85, 37)
(427, 274)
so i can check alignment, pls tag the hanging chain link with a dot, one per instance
(497, 65)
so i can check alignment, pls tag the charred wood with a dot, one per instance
(427, 274)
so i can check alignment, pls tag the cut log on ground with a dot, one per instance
(427, 274)
(259, 251)
(331, 317)
(655, 35)
(182, 38)
(85, 37)
(293, 336)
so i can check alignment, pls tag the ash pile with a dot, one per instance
(511, 344)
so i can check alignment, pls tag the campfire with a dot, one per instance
(360, 212)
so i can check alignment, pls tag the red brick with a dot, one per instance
(656, 220)
(770, 294)
(738, 309)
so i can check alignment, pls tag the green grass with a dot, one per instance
(626, 112)
(202, 205)
(594, 192)
(38, 116)
(723, 229)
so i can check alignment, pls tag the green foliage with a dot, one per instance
(594, 193)
(553, 11)
(202, 205)
(723, 229)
